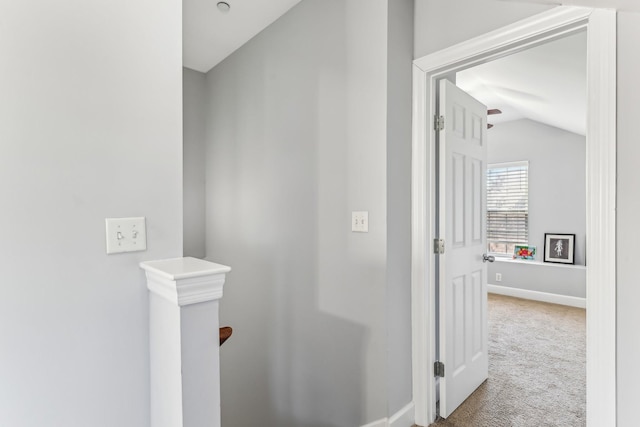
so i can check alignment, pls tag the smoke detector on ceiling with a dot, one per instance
(223, 6)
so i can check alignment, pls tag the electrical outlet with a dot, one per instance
(498, 277)
(360, 222)
(126, 235)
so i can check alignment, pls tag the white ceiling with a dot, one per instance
(209, 35)
(546, 84)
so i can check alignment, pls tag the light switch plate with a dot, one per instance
(126, 235)
(360, 222)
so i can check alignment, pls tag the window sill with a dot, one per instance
(539, 263)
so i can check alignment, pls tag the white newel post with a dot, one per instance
(184, 341)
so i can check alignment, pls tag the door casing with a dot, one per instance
(600, 25)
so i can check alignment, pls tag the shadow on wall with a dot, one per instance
(319, 368)
(279, 189)
(287, 363)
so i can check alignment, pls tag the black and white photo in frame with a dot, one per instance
(559, 248)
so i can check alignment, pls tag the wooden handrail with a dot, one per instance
(225, 333)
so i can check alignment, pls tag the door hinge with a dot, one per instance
(438, 122)
(438, 246)
(438, 369)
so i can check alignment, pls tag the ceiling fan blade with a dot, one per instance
(493, 111)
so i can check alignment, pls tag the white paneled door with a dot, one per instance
(462, 223)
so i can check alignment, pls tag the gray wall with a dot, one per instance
(193, 153)
(628, 206)
(399, 93)
(440, 24)
(497, 13)
(549, 278)
(289, 157)
(300, 122)
(90, 127)
(557, 201)
(557, 181)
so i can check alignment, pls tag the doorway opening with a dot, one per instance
(600, 200)
(535, 183)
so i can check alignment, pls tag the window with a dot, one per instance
(507, 206)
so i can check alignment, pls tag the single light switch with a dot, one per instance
(126, 235)
(360, 222)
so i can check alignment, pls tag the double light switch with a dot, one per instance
(126, 235)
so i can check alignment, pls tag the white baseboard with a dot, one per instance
(405, 417)
(538, 296)
(380, 423)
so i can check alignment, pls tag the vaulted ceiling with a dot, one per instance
(210, 35)
(546, 83)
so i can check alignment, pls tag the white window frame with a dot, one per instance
(506, 165)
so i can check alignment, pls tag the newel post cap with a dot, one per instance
(185, 281)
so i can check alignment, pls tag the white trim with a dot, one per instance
(403, 418)
(179, 353)
(185, 281)
(186, 291)
(184, 268)
(422, 263)
(526, 33)
(509, 260)
(601, 219)
(538, 296)
(601, 194)
(380, 423)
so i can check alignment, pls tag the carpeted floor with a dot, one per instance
(536, 368)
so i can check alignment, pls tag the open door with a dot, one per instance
(462, 225)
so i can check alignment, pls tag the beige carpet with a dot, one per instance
(536, 368)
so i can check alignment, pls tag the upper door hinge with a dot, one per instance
(438, 246)
(438, 369)
(438, 122)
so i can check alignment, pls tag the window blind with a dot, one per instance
(507, 205)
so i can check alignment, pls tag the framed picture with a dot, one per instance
(524, 252)
(559, 248)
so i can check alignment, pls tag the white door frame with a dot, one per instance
(601, 194)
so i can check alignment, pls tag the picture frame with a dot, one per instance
(559, 248)
(524, 252)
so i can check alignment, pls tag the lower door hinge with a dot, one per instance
(438, 369)
(438, 123)
(438, 246)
